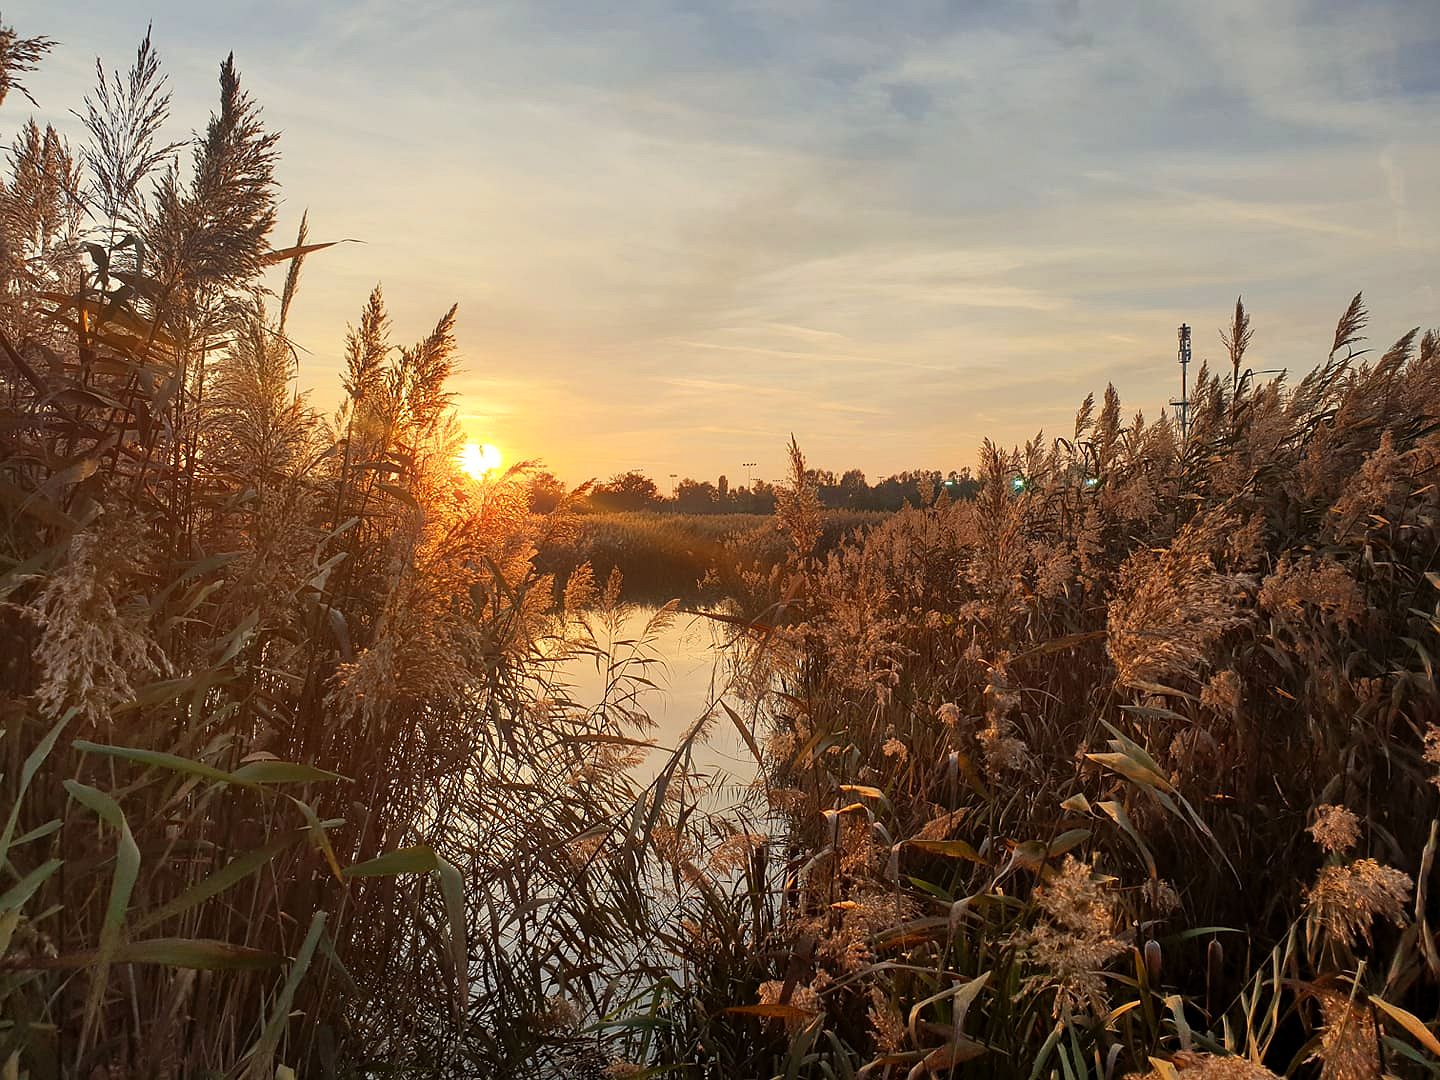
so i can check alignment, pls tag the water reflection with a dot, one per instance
(690, 678)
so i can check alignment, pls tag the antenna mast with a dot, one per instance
(1182, 404)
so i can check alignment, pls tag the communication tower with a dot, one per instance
(1182, 404)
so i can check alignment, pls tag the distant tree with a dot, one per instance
(723, 486)
(696, 496)
(851, 491)
(917, 487)
(962, 484)
(761, 498)
(631, 490)
(546, 492)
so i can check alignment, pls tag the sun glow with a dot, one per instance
(478, 459)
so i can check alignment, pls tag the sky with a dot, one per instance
(679, 231)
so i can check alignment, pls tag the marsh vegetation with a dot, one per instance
(697, 558)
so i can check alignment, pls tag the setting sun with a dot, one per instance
(478, 459)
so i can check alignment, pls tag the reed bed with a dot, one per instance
(1127, 767)
(661, 556)
(288, 783)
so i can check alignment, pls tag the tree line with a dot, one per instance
(634, 491)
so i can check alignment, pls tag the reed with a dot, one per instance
(1127, 766)
(287, 780)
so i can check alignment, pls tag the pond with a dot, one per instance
(690, 677)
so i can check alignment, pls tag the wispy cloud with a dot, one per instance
(680, 231)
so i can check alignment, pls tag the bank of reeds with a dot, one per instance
(286, 783)
(1129, 766)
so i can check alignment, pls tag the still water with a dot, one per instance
(690, 678)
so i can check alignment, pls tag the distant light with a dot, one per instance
(1091, 481)
(1018, 484)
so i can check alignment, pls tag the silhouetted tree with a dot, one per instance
(546, 492)
(696, 496)
(631, 490)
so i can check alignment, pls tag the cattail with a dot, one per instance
(1214, 969)
(1153, 960)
